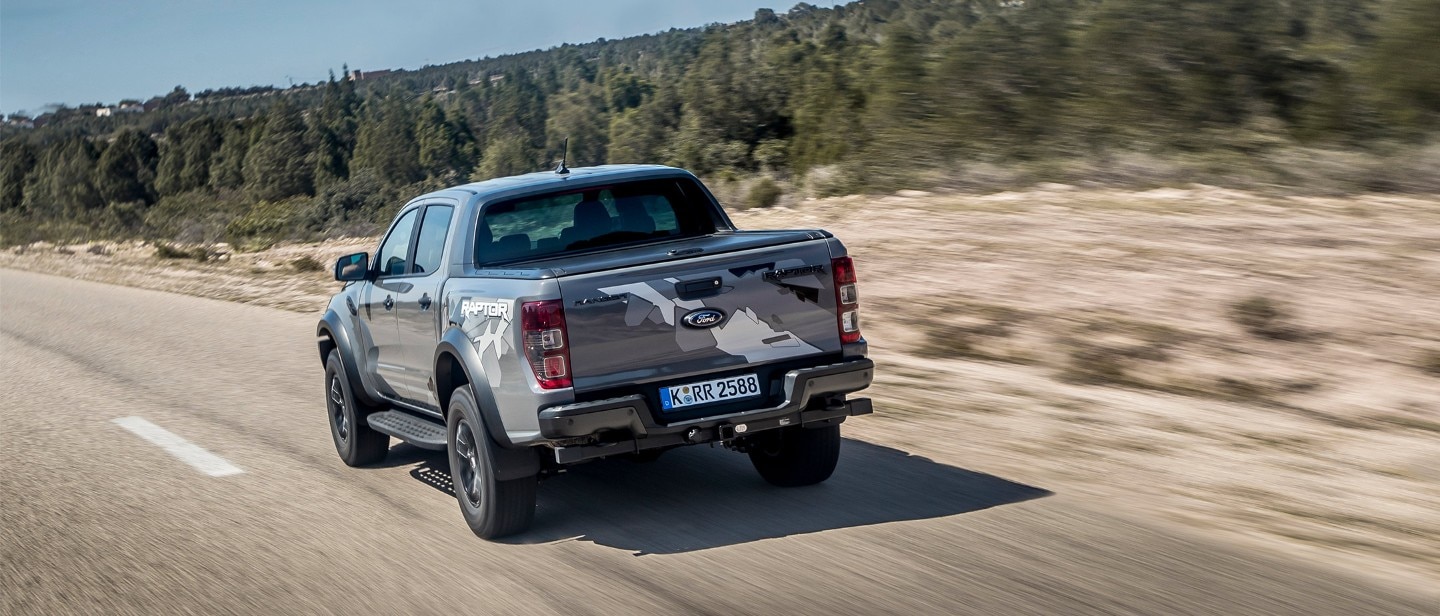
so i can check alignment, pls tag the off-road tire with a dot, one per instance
(493, 508)
(357, 443)
(797, 456)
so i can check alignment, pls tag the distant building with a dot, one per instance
(359, 75)
(104, 112)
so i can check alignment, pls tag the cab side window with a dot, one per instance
(391, 259)
(430, 248)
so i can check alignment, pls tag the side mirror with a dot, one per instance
(353, 267)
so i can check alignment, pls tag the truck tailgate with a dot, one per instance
(628, 326)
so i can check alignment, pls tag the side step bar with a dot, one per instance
(417, 431)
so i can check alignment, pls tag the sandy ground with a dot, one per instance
(1096, 342)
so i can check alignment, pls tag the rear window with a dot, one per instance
(557, 223)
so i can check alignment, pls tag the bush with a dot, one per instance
(764, 193)
(1265, 318)
(170, 251)
(1430, 362)
(306, 263)
(267, 221)
(193, 217)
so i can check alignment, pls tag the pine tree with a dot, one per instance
(186, 155)
(227, 169)
(827, 108)
(578, 117)
(441, 148)
(62, 182)
(641, 134)
(276, 165)
(385, 144)
(330, 131)
(17, 159)
(899, 115)
(126, 170)
(505, 156)
(1405, 65)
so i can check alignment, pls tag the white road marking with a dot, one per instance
(186, 451)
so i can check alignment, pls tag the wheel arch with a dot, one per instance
(458, 364)
(331, 335)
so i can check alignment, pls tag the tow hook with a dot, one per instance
(731, 431)
(692, 435)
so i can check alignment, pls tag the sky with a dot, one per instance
(79, 52)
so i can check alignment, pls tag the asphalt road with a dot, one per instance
(96, 519)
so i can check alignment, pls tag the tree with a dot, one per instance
(17, 159)
(580, 118)
(826, 109)
(506, 155)
(126, 170)
(1003, 85)
(275, 166)
(385, 144)
(331, 131)
(441, 146)
(186, 156)
(641, 134)
(1405, 65)
(62, 183)
(899, 116)
(227, 168)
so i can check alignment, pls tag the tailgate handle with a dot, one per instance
(694, 289)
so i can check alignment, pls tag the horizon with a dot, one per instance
(184, 44)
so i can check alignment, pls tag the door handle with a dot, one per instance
(389, 302)
(425, 301)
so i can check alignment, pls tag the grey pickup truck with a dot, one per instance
(529, 323)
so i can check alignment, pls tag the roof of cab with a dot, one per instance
(542, 180)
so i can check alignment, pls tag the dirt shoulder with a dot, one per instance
(1266, 368)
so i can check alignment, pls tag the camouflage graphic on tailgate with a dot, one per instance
(769, 311)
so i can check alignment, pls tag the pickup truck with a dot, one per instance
(528, 323)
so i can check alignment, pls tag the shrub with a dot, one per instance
(268, 221)
(1430, 362)
(1265, 318)
(170, 251)
(306, 263)
(764, 193)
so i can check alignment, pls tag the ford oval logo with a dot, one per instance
(702, 318)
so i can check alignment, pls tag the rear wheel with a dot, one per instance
(493, 508)
(357, 443)
(797, 456)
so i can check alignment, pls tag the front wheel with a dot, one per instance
(493, 508)
(357, 443)
(797, 456)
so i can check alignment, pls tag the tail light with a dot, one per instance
(847, 299)
(543, 332)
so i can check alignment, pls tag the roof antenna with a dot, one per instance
(564, 151)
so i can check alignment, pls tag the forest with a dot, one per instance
(1328, 96)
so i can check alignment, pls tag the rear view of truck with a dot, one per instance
(750, 338)
(592, 313)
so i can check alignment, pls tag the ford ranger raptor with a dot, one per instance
(528, 323)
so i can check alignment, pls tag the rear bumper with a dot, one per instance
(632, 415)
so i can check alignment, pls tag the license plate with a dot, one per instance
(705, 392)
